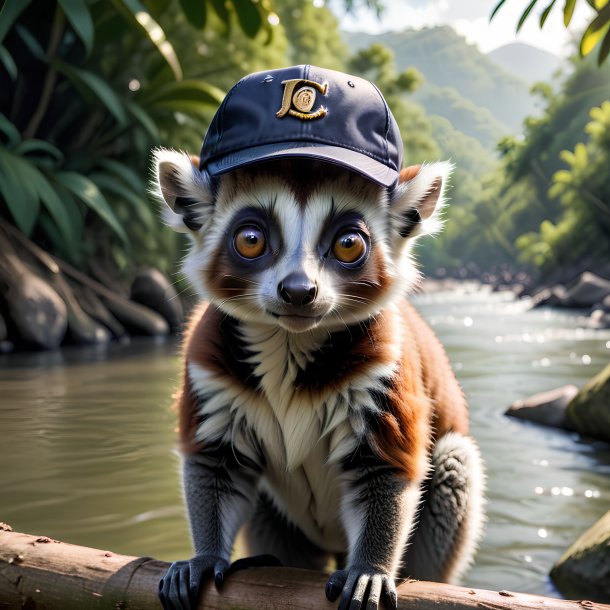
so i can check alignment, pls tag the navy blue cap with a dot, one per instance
(305, 111)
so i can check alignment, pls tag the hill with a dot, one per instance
(477, 84)
(526, 62)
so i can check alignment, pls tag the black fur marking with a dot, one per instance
(410, 219)
(339, 356)
(190, 217)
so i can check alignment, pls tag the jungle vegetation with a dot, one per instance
(89, 87)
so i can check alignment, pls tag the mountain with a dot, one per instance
(526, 62)
(461, 83)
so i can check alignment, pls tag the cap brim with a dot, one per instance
(350, 159)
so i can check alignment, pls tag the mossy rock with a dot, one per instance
(584, 569)
(589, 411)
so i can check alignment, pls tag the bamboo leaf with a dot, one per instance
(137, 14)
(220, 8)
(545, 13)
(526, 13)
(9, 13)
(568, 11)
(8, 62)
(78, 15)
(10, 131)
(249, 17)
(195, 11)
(88, 192)
(18, 192)
(93, 84)
(496, 9)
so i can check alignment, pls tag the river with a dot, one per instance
(87, 439)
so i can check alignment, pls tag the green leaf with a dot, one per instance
(8, 62)
(604, 50)
(568, 11)
(195, 12)
(194, 91)
(137, 14)
(220, 8)
(137, 201)
(31, 43)
(249, 17)
(126, 174)
(545, 13)
(10, 131)
(88, 192)
(32, 146)
(496, 9)
(56, 208)
(143, 118)
(526, 13)
(77, 13)
(90, 83)
(9, 13)
(19, 194)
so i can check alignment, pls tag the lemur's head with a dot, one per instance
(300, 214)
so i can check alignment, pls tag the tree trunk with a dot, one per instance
(37, 572)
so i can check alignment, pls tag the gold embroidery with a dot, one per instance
(300, 103)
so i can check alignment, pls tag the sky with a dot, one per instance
(470, 18)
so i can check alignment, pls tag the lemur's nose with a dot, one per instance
(297, 289)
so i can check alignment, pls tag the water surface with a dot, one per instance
(87, 440)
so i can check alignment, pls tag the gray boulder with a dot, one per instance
(584, 569)
(588, 290)
(151, 288)
(546, 408)
(589, 411)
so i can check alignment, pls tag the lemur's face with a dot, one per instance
(295, 244)
(296, 248)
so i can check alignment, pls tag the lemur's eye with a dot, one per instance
(350, 247)
(250, 242)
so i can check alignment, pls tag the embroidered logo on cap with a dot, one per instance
(299, 103)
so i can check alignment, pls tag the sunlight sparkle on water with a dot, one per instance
(592, 493)
(586, 359)
(468, 321)
(542, 533)
(527, 558)
(539, 490)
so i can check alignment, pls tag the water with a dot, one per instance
(87, 440)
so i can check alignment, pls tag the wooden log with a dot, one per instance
(37, 572)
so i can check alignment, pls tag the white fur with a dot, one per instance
(176, 176)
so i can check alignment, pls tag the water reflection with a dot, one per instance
(87, 440)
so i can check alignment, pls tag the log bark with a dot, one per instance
(37, 572)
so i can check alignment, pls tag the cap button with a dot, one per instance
(351, 84)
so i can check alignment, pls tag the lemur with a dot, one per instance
(318, 412)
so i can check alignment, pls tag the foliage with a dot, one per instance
(532, 210)
(597, 30)
(376, 64)
(77, 120)
(583, 189)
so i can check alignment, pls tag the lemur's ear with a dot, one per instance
(186, 190)
(416, 201)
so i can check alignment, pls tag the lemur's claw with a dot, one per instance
(362, 589)
(179, 588)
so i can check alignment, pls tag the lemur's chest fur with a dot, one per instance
(301, 403)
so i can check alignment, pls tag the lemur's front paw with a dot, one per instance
(362, 588)
(179, 588)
